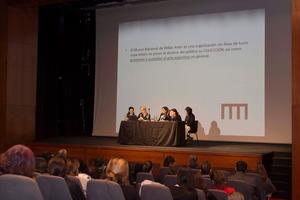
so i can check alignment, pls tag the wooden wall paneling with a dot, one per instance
(87, 153)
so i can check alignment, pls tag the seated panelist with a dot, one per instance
(144, 115)
(164, 114)
(130, 116)
(174, 116)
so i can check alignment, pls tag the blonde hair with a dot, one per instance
(117, 170)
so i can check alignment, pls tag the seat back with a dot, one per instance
(170, 180)
(19, 187)
(200, 194)
(207, 183)
(141, 176)
(104, 190)
(155, 191)
(219, 194)
(75, 180)
(53, 187)
(242, 187)
(163, 172)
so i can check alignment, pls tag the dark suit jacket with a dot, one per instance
(189, 119)
(257, 191)
(176, 119)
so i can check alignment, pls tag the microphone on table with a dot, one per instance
(149, 112)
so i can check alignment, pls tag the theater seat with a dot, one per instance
(170, 180)
(219, 194)
(155, 191)
(53, 187)
(104, 190)
(242, 187)
(18, 187)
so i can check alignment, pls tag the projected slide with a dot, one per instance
(214, 63)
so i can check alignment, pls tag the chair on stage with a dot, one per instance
(193, 131)
(19, 187)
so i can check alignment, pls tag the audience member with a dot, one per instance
(266, 181)
(117, 170)
(18, 160)
(147, 167)
(98, 167)
(220, 182)
(58, 167)
(257, 190)
(171, 163)
(206, 169)
(193, 162)
(185, 188)
(62, 153)
(41, 165)
(199, 184)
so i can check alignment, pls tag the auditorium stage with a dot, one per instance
(220, 154)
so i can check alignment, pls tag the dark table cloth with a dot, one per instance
(152, 133)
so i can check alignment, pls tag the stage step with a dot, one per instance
(278, 165)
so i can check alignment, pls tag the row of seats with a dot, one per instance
(47, 187)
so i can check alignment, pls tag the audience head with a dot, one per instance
(219, 178)
(185, 178)
(62, 153)
(206, 168)
(72, 167)
(83, 168)
(169, 161)
(130, 111)
(19, 160)
(57, 166)
(117, 170)
(193, 161)
(41, 165)
(188, 110)
(98, 166)
(147, 166)
(47, 155)
(241, 166)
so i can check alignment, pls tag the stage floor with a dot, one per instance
(202, 146)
